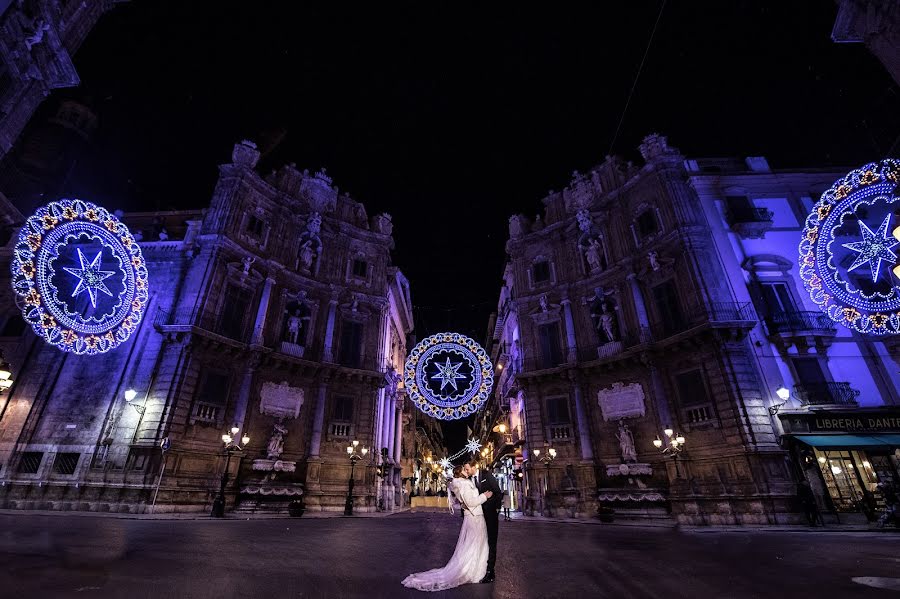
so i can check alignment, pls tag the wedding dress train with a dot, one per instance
(469, 560)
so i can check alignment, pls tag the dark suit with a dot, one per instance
(491, 508)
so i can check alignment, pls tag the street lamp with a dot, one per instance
(549, 454)
(6, 380)
(783, 394)
(218, 507)
(356, 453)
(674, 445)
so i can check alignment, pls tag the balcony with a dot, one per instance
(190, 320)
(826, 394)
(750, 222)
(559, 432)
(803, 329)
(715, 314)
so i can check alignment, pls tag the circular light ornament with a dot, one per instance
(79, 277)
(448, 376)
(847, 252)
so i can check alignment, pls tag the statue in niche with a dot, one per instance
(297, 320)
(594, 255)
(276, 441)
(653, 258)
(543, 302)
(626, 443)
(569, 482)
(310, 242)
(603, 311)
(248, 262)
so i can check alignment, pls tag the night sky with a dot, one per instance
(453, 117)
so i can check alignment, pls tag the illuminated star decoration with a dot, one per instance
(473, 446)
(445, 463)
(90, 277)
(874, 247)
(448, 373)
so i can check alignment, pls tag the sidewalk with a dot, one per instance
(672, 525)
(199, 515)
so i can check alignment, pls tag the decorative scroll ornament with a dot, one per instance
(449, 376)
(79, 277)
(847, 251)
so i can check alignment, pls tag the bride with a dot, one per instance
(469, 560)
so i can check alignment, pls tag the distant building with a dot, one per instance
(277, 310)
(666, 296)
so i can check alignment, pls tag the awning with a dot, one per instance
(825, 441)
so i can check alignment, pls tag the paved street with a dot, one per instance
(48, 556)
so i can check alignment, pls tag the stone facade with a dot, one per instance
(277, 310)
(618, 320)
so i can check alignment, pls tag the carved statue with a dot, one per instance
(626, 443)
(40, 27)
(608, 324)
(276, 442)
(315, 224)
(593, 253)
(543, 302)
(248, 262)
(569, 481)
(307, 255)
(293, 328)
(653, 257)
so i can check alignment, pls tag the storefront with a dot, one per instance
(849, 457)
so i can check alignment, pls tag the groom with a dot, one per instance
(485, 481)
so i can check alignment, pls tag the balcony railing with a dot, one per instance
(559, 432)
(824, 394)
(715, 312)
(800, 322)
(203, 321)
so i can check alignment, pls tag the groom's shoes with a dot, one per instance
(489, 577)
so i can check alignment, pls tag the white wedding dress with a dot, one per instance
(469, 560)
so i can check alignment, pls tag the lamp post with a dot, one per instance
(549, 454)
(783, 394)
(356, 453)
(674, 445)
(218, 508)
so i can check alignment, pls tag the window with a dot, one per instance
(212, 395)
(343, 409)
(548, 337)
(809, 371)
(558, 410)
(777, 298)
(360, 268)
(256, 226)
(693, 397)
(646, 224)
(235, 310)
(541, 271)
(740, 209)
(665, 298)
(30, 462)
(351, 344)
(66, 463)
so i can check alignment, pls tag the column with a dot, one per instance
(260, 323)
(243, 399)
(639, 306)
(318, 421)
(327, 354)
(584, 433)
(391, 422)
(379, 428)
(398, 433)
(572, 354)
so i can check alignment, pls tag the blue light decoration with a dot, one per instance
(79, 277)
(838, 247)
(448, 376)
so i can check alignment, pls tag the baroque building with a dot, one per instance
(276, 310)
(638, 305)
